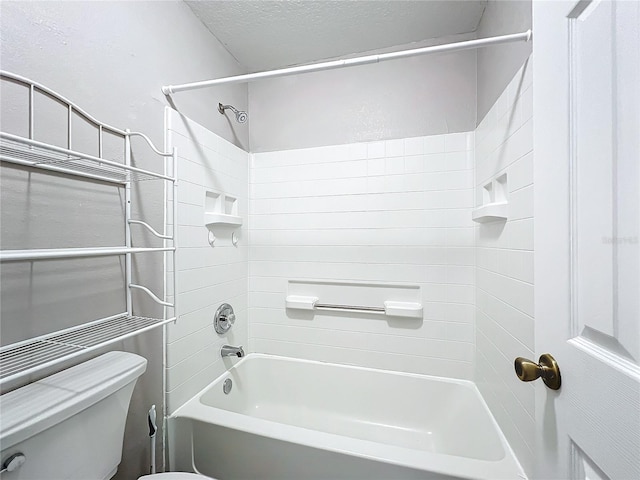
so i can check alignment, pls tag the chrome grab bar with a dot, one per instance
(328, 306)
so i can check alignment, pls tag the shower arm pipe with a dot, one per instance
(349, 62)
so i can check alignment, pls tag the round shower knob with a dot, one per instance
(224, 318)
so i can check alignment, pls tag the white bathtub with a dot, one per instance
(295, 419)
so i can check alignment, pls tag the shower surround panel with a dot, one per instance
(207, 275)
(504, 255)
(396, 212)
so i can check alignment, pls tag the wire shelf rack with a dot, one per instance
(20, 361)
(38, 353)
(51, 253)
(24, 151)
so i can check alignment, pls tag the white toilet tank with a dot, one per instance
(71, 425)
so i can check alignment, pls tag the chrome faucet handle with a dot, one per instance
(224, 318)
(231, 318)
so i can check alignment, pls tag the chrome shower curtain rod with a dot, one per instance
(449, 47)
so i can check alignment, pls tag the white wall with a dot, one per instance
(504, 256)
(498, 64)
(207, 275)
(111, 58)
(396, 211)
(424, 95)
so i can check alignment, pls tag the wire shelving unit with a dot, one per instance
(22, 359)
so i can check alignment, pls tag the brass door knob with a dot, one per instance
(547, 368)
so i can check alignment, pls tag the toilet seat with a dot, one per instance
(175, 476)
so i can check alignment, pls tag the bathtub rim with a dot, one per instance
(441, 463)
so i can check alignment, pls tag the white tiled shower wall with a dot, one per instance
(382, 212)
(504, 256)
(207, 276)
(394, 211)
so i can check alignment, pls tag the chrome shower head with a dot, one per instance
(241, 117)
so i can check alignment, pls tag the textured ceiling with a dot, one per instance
(268, 34)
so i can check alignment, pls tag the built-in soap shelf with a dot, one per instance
(495, 204)
(221, 219)
(221, 209)
(355, 298)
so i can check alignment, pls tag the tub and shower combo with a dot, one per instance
(273, 417)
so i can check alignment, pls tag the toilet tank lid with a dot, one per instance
(33, 408)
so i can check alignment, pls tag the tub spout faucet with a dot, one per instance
(230, 351)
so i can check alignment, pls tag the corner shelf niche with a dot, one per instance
(221, 209)
(490, 212)
(495, 206)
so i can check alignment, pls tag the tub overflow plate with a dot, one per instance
(226, 386)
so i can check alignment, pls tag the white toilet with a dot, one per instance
(71, 425)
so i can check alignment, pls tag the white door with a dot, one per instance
(587, 236)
